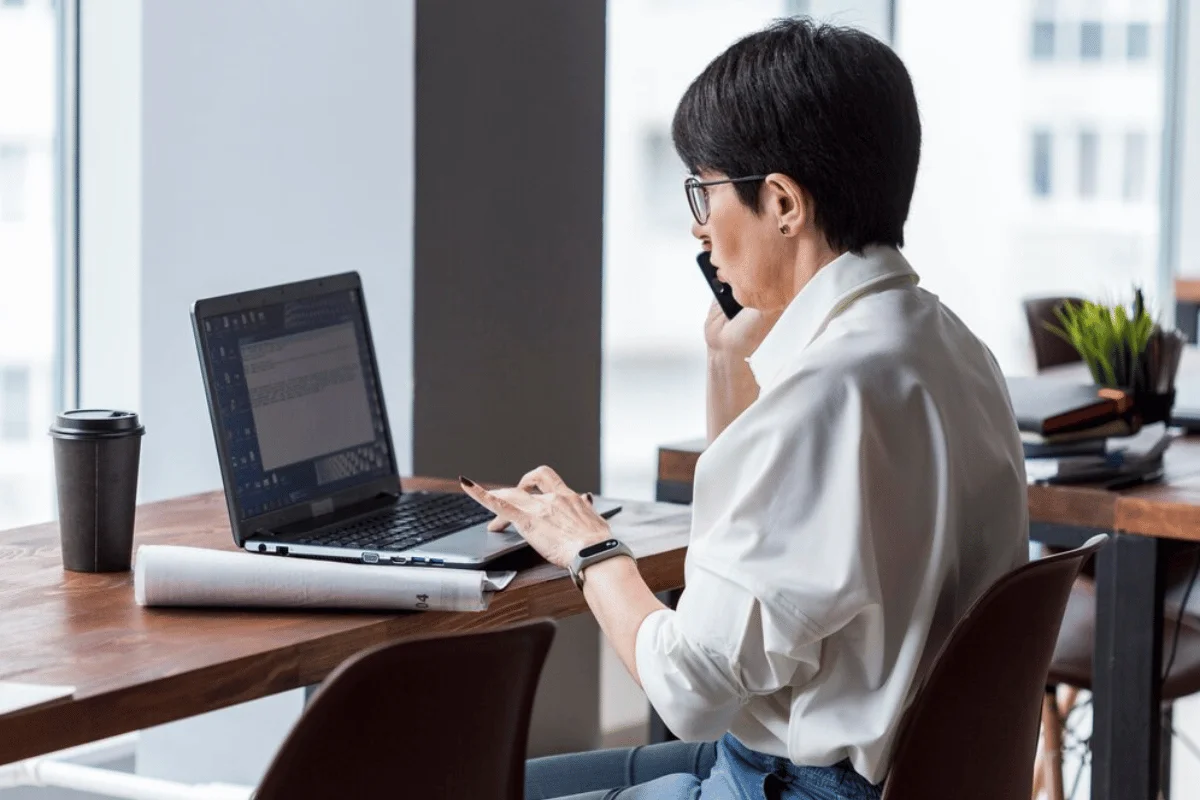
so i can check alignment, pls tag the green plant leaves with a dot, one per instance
(1110, 340)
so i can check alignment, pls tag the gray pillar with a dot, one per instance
(507, 273)
(509, 204)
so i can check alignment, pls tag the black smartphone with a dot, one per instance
(720, 290)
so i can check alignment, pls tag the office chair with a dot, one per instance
(1071, 668)
(1049, 350)
(994, 664)
(439, 718)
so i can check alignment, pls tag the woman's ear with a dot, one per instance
(788, 202)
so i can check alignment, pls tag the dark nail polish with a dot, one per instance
(465, 481)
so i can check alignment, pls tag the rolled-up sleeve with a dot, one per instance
(778, 563)
(700, 663)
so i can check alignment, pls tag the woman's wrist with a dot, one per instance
(731, 389)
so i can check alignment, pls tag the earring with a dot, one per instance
(783, 229)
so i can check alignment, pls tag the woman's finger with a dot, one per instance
(545, 480)
(499, 505)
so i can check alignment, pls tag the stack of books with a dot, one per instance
(1078, 433)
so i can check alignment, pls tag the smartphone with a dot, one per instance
(720, 290)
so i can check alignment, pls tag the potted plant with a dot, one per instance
(1125, 349)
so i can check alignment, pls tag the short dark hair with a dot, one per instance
(832, 108)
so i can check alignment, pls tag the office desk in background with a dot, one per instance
(134, 667)
(1147, 523)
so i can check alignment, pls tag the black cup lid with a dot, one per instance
(91, 422)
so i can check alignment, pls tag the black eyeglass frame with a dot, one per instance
(697, 196)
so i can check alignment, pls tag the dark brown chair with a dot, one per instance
(1071, 666)
(436, 718)
(1049, 350)
(972, 728)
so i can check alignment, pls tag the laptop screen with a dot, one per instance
(297, 399)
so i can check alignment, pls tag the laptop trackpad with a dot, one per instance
(477, 544)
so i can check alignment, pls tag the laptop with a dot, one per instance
(302, 433)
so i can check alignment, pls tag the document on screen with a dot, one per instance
(308, 394)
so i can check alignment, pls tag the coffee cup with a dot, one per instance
(96, 456)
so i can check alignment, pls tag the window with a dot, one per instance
(1091, 41)
(1043, 40)
(662, 177)
(30, 239)
(1134, 179)
(1137, 41)
(1089, 155)
(14, 404)
(1042, 163)
(1033, 173)
(14, 160)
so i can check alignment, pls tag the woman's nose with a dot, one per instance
(698, 231)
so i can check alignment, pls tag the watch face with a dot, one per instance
(594, 549)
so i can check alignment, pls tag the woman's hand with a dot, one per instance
(738, 337)
(556, 521)
(731, 385)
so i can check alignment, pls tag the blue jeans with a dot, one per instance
(722, 770)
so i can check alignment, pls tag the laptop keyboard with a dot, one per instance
(415, 519)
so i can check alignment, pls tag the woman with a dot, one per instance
(864, 481)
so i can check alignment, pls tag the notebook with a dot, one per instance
(1048, 407)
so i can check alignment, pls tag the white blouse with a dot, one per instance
(841, 525)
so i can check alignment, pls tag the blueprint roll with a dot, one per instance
(193, 576)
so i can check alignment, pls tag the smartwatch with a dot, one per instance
(594, 554)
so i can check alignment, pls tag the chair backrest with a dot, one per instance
(972, 727)
(433, 718)
(1049, 350)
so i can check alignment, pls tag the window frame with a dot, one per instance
(67, 345)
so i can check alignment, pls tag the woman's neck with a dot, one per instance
(811, 256)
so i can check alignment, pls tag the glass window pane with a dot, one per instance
(1134, 181)
(1017, 194)
(664, 174)
(1043, 39)
(1042, 163)
(797, 8)
(14, 167)
(14, 404)
(29, 319)
(1091, 41)
(1137, 41)
(1089, 155)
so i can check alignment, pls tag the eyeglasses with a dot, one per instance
(697, 193)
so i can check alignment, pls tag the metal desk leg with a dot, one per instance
(1164, 772)
(1127, 667)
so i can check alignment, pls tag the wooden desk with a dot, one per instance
(1147, 523)
(136, 667)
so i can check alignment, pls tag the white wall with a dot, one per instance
(276, 145)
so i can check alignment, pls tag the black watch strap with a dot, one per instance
(594, 554)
